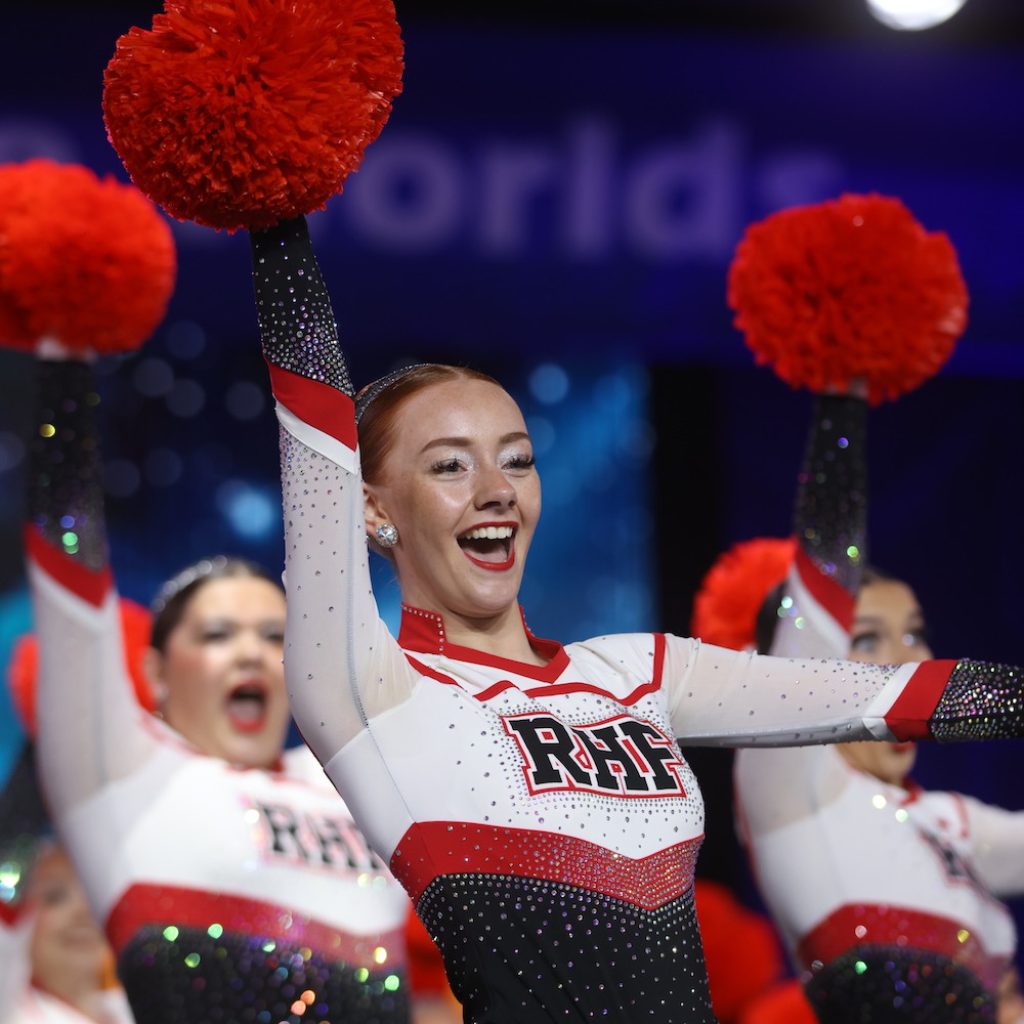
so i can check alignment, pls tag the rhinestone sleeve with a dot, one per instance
(296, 321)
(831, 503)
(64, 491)
(981, 701)
(88, 719)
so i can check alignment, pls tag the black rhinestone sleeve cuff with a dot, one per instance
(981, 701)
(296, 321)
(831, 504)
(65, 493)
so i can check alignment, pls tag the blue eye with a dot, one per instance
(865, 643)
(915, 638)
(447, 466)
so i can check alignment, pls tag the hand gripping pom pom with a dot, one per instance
(84, 262)
(731, 594)
(23, 670)
(850, 289)
(245, 113)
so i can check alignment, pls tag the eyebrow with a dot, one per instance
(465, 442)
(875, 620)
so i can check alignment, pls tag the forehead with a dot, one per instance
(889, 599)
(235, 595)
(474, 409)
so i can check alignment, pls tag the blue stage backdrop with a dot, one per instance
(559, 208)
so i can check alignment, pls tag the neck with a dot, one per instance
(502, 635)
(77, 989)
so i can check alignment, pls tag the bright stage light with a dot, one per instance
(914, 14)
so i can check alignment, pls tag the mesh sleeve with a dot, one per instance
(341, 665)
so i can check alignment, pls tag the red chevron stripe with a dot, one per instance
(856, 925)
(164, 906)
(825, 590)
(909, 715)
(91, 585)
(317, 404)
(432, 849)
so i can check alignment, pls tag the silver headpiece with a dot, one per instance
(367, 394)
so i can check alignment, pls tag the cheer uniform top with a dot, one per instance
(227, 894)
(38, 1007)
(542, 818)
(885, 895)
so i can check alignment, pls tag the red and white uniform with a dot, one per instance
(543, 819)
(846, 861)
(885, 895)
(217, 886)
(38, 1007)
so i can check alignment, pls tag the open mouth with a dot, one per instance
(247, 706)
(490, 546)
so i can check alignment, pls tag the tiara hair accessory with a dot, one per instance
(376, 388)
(184, 579)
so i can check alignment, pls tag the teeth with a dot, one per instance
(490, 533)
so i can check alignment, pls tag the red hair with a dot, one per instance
(377, 423)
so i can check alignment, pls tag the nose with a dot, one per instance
(250, 647)
(78, 908)
(494, 490)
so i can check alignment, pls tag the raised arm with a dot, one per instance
(342, 667)
(829, 524)
(91, 729)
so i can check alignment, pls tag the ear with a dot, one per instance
(153, 667)
(374, 511)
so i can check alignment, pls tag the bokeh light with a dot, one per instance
(914, 14)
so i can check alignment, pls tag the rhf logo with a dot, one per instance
(620, 756)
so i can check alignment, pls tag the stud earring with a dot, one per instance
(387, 535)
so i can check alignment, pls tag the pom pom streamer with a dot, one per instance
(731, 594)
(23, 670)
(86, 262)
(849, 290)
(245, 113)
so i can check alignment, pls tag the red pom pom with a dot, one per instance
(725, 927)
(851, 289)
(88, 263)
(731, 594)
(244, 113)
(23, 670)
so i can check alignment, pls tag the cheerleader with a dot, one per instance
(887, 896)
(67, 954)
(530, 796)
(567, 818)
(229, 878)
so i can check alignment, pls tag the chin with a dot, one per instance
(259, 751)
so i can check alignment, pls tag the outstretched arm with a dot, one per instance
(341, 665)
(91, 728)
(735, 699)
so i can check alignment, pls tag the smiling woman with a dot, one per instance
(531, 797)
(460, 487)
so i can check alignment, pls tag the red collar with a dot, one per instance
(423, 632)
